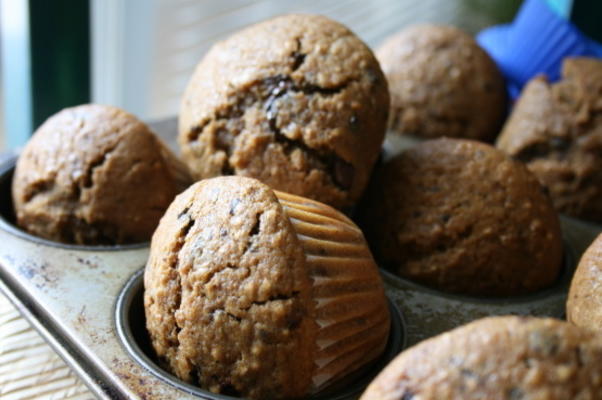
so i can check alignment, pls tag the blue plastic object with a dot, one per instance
(535, 43)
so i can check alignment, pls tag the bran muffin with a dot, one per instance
(442, 84)
(584, 304)
(460, 216)
(505, 358)
(556, 129)
(261, 294)
(298, 102)
(93, 175)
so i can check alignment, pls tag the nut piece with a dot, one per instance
(497, 358)
(556, 129)
(95, 175)
(584, 305)
(460, 216)
(298, 102)
(261, 294)
(442, 84)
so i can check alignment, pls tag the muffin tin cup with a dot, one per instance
(130, 323)
(82, 299)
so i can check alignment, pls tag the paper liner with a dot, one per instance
(350, 306)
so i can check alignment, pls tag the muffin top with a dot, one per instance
(442, 84)
(497, 358)
(242, 280)
(584, 305)
(298, 102)
(556, 129)
(95, 174)
(461, 216)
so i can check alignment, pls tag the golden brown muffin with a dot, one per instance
(298, 102)
(584, 304)
(442, 84)
(505, 358)
(261, 294)
(95, 175)
(461, 216)
(556, 129)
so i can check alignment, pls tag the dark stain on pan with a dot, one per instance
(87, 262)
(129, 372)
(41, 275)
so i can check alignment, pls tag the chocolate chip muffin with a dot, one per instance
(95, 175)
(461, 216)
(261, 294)
(584, 305)
(298, 102)
(556, 129)
(497, 358)
(442, 84)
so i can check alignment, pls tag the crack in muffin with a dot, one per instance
(298, 102)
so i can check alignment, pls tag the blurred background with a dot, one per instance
(139, 54)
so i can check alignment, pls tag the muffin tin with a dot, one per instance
(86, 302)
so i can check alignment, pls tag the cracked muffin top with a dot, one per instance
(261, 294)
(556, 129)
(94, 175)
(461, 216)
(505, 358)
(298, 102)
(584, 304)
(442, 84)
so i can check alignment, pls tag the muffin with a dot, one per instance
(261, 294)
(460, 216)
(95, 175)
(584, 304)
(497, 358)
(556, 129)
(442, 84)
(298, 102)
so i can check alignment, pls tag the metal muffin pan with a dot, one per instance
(85, 301)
